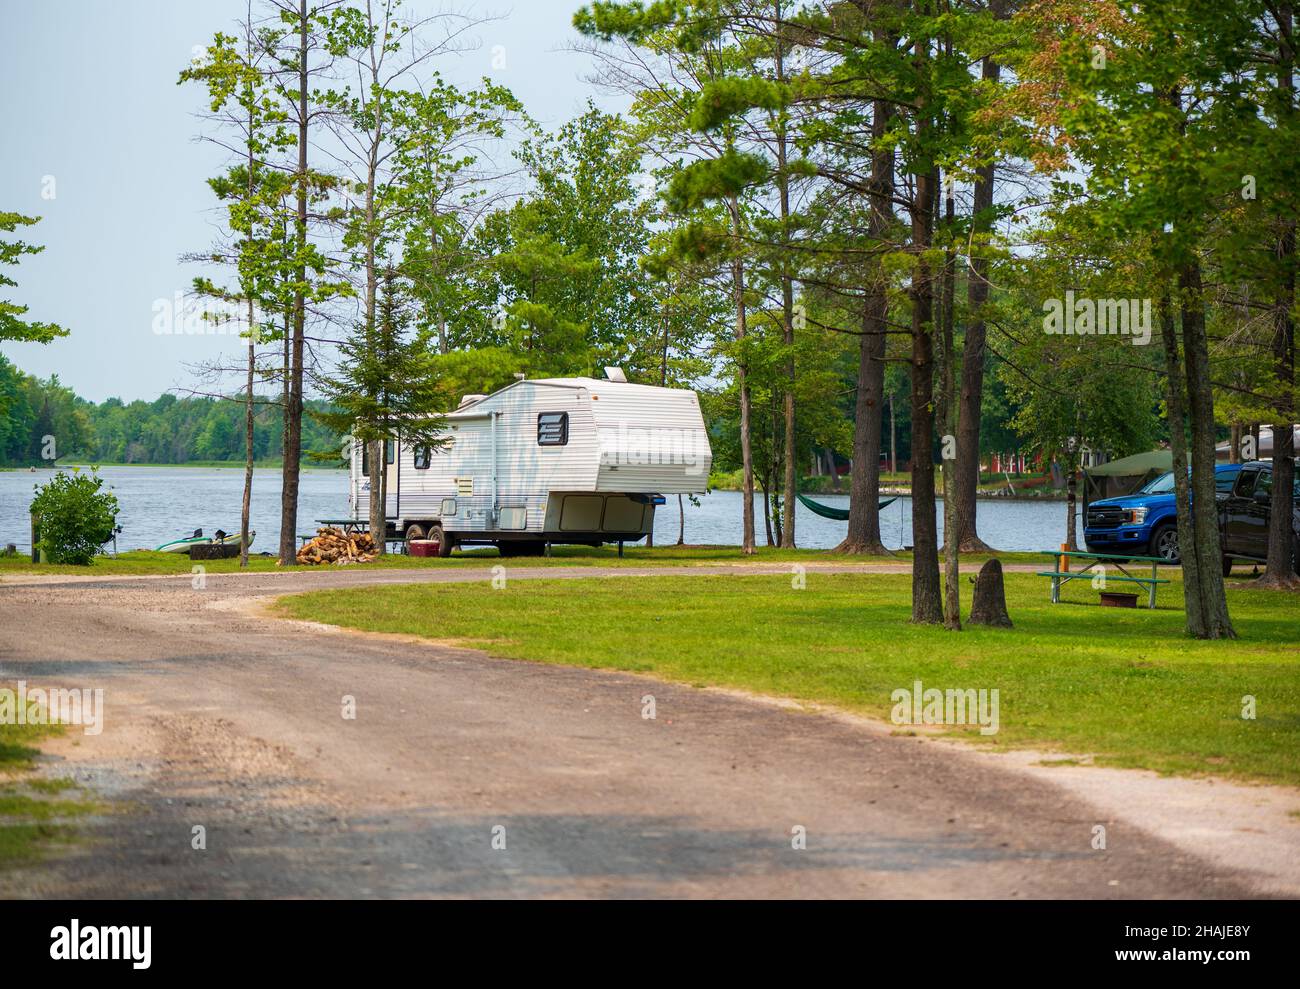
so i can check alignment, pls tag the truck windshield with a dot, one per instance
(1164, 484)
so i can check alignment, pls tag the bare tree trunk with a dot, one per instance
(863, 535)
(747, 546)
(767, 513)
(663, 383)
(973, 346)
(1200, 403)
(287, 330)
(245, 509)
(681, 521)
(926, 605)
(1280, 570)
(774, 482)
(378, 524)
(893, 438)
(290, 469)
(787, 308)
(1072, 503)
(1175, 403)
(246, 506)
(951, 548)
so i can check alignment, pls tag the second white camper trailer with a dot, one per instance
(554, 460)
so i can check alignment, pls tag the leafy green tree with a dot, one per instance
(385, 388)
(444, 187)
(12, 324)
(563, 281)
(235, 73)
(1164, 78)
(74, 517)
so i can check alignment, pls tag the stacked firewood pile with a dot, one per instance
(337, 547)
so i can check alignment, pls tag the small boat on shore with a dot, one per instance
(198, 539)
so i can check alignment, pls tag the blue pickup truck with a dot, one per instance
(1145, 523)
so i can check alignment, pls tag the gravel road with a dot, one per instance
(222, 719)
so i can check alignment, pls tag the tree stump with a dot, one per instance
(989, 602)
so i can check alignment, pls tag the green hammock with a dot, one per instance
(828, 512)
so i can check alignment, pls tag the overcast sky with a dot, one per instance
(99, 141)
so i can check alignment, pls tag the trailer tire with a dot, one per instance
(413, 531)
(1227, 566)
(445, 542)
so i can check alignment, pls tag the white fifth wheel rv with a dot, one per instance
(554, 460)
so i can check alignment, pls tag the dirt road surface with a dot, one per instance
(222, 719)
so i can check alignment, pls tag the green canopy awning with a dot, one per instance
(1160, 461)
(1124, 476)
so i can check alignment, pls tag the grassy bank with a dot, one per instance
(142, 562)
(1125, 686)
(34, 813)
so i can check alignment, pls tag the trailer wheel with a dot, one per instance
(413, 532)
(443, 541)
(1227, 566)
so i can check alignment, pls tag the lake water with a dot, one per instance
(159, 504)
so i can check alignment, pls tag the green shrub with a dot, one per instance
(74, 516)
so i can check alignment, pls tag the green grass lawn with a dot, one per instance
(31, 816)
(1126, 686)
(142, 562)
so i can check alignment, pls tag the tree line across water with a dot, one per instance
(41, 419)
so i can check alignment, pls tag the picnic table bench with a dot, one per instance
(1060, 576)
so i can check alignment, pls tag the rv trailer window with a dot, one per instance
(365, 459)
(420, 458)
(552, 428)
(390, 448)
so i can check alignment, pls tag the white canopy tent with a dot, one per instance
(1223, 451)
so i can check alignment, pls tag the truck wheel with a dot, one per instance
(413, 532)
(1227, 566)
(1164, 544)
(444, 541)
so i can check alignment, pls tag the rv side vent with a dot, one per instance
(465, 487)
(513, 518)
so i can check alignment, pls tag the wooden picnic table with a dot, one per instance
(347, 525)
(1060, 576)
